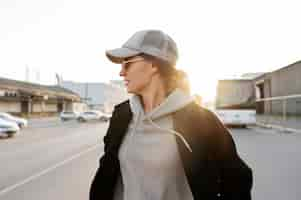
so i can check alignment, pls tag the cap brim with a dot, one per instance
(120, 54)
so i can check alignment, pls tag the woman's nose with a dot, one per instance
(122, 72)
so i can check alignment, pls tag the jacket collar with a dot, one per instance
(182, 123)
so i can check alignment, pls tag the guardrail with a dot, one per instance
(289, 107)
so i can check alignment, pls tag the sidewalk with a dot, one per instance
(291, 124)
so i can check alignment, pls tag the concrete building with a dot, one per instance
(24, 98)
(100, 96)
(118, 83)
(237, 92)
(282, 82)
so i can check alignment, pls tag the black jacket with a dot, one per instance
(214, 170)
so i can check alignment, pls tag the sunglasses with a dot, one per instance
(132, 61)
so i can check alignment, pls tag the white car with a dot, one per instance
(237, 117)
(105, 117)
(69, 115)
(93, 115)
(8, 128)
(21, 122)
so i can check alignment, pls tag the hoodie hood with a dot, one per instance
(173, 102)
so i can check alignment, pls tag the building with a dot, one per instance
(283, 82)
(100, 96)
(24, 98)
(118, 83)
(237, 92)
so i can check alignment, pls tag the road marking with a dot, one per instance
(45, 171)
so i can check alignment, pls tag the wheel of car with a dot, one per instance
(80, 119)
(244, 126)
(10, 134)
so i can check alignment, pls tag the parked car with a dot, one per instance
(105, 117)
(93, 115)
(21, 122)
(8, 128)
(69, 115)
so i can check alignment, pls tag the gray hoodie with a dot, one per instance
(151, 168)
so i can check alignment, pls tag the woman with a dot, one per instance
(160, 145)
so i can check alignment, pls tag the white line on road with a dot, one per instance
(45, 171)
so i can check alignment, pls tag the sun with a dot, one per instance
(205, 87)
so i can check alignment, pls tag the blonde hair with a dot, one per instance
(172, 77)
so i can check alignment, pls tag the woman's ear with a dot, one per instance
(154, 68)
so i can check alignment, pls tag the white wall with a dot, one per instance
(75, 106)
(40, 107)
(50, 108)
(14, 107)
(37, 107)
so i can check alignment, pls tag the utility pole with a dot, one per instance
(26, 73)
(38, 75)
(86, 93)
(58, 79)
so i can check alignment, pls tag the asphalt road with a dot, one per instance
(50, 160)
(55, 160)
(275, 159)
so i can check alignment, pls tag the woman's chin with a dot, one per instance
(131, 91)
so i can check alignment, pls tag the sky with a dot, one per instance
(216, 39)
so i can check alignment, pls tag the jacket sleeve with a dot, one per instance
(101, 186)
(235, 176)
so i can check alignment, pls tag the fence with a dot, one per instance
(281, 111)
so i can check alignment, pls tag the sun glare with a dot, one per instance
(206, 88)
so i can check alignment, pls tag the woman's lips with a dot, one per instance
(126, 82)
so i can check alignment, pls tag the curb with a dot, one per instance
(279, 128)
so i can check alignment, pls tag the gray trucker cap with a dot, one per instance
(151, 42)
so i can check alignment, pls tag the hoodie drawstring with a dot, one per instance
(172, 132)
